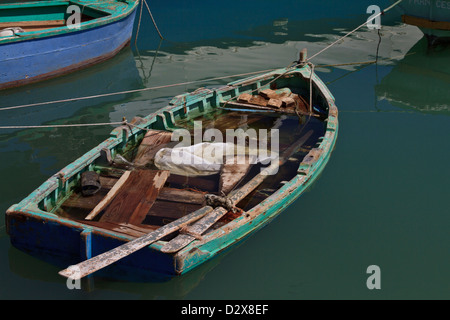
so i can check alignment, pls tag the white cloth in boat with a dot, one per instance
(207, 158)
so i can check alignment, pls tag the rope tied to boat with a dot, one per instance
(140, 18)
(219, 201)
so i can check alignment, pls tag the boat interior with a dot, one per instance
(133, 194)
(43, 15)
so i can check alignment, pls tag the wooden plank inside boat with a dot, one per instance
(205, 184)
(232, 173)
(164, 212)
(33, 25)
(108, 198)
(281, 100)
(153, 141)
(224, 121)
(128, 229)
(136, 197)
(180, 195)
(79, 205)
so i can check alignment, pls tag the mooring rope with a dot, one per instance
(131, 91)
(353, 31)
(139, 25)
(140, 18)
(292, 65)
(63, 125)
(154, 22)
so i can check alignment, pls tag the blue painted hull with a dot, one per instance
(42, 237)
(38, 59)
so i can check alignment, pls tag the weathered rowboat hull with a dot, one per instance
(33, 227)
(431, 16)
(42, 54)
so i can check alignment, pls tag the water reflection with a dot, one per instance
(420, 81)
(117, 74)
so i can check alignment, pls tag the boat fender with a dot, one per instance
(10, 32)
(90, 183)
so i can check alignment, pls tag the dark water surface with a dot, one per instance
(382, 199)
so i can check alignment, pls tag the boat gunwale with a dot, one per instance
(64, 30)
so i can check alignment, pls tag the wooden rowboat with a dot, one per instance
(431, 16)
(119, 212)
(38, 40)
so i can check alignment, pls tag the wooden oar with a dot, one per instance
(96, 263)
(194, 231)
(111, 194)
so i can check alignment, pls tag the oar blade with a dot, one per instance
(103, 260)
(194, 231)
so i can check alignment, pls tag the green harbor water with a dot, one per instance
(382, 199)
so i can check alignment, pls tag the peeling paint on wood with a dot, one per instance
(35, 217)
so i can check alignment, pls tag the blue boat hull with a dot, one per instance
(38, 59)
(41, 238)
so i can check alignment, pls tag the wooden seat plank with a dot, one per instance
(136, 197)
